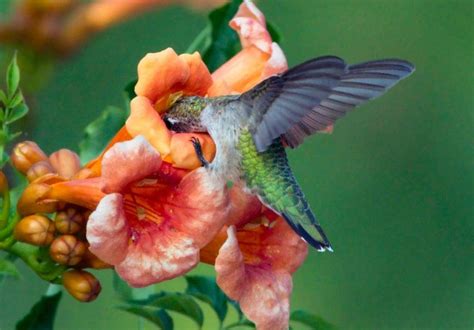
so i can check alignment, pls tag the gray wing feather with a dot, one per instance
(280, 102)
(313, 95)
(361, 83)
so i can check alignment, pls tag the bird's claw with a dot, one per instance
(198, 149)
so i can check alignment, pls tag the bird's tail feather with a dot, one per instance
(317, 239)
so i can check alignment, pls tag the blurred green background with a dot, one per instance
(392, 186)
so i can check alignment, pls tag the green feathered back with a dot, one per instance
(269, 174)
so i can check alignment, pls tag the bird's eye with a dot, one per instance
(168, 122)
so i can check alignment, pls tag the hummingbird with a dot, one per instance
(251, 130)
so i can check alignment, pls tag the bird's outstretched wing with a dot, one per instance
(313, 95)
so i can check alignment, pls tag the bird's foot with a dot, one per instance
(198, 149)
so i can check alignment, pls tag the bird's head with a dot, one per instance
(184, 115)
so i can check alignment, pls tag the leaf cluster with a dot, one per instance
(42, 314)
(156, 307)
(12, 108)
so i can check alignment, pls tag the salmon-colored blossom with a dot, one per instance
(151, 225)
(255, 256)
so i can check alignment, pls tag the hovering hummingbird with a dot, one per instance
(250, 130)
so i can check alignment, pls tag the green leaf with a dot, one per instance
(205, 289)
(3, 97)
(98, 133)
(129, 90)
(159, 317)
(177, 302)
(16, 192)
(17, 113)
(236, 306)
(202, 42)
(129, 94)
(241, 323)
(125, 292)
(3, 138)
(311, 320)
(224, 42)
(41, 316)
(8, 269)
(274, 33)
(13, 77)
(16, 100)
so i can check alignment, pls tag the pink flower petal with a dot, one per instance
(107, 230)
(199, 206)
(127, 162)
(276, 64)
(249, 23)
(263, 293)
(248, 9)
(158, 256)
(244, 206)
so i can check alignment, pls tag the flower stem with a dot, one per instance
(200, 41)
(5, 209)
(38, 259)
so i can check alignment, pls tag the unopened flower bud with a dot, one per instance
(86, 214)
(38, 170)
(90, 260)
(65, 162)
(69, 221)
(33, 200)
(3, 182)
(25, 154)
(35, 229)
(67, 250)
(81, 285)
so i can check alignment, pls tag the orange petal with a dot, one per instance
(208, 253)
(276, 243)
(144, 120)
(200, 78)
(86, 193)
(95, 164)
(328, 129)
(240, 73)
(127, 162)
(244, 206)
(262, 292)
(182, 151)
(160, 73)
